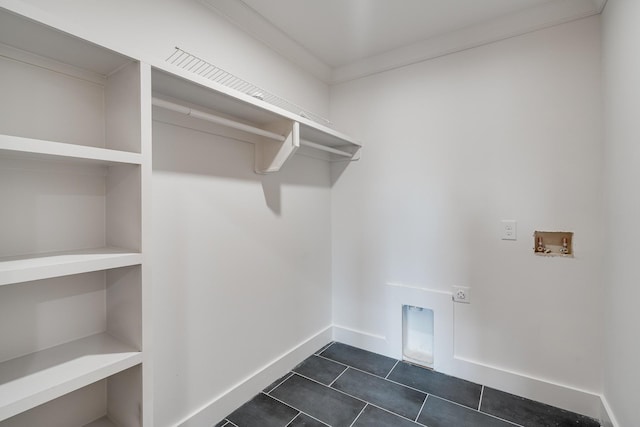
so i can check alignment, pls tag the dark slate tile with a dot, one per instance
(361, 359)
(530, 413)
(375, 417)
(321, 402)
(303, 420)
(277, 382)
(319, 369)
(385, 394)
(263, 411)
(221, 423)
(323, 348)
(450, 388)
(440, 413)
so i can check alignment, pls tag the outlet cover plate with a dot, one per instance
(462, 294)
(509, 229)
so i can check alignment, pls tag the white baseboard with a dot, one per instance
(606, 414)
(569, 398)
(566, 397)
(360, 339)
(255, 382)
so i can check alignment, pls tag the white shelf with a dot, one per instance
(102, 422)
(191, 92)
(44, 150)
(34, 379)
(48, 42)
(56, 264)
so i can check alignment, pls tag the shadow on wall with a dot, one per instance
(181, 150)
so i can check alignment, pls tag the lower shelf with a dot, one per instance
(31, 380)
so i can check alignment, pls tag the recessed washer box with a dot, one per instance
(553, 243)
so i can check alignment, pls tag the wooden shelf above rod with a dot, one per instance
(277, 134)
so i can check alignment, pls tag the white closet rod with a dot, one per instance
(325, 148)
(172, 106)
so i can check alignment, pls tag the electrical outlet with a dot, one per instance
(462, 294)
(509, 229)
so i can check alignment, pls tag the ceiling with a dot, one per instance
(340, 40)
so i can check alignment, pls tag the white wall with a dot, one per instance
(622, 174)
(150, 30)
(241, 262)
(242, 265)
(510, 130)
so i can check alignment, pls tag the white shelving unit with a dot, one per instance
(74, 156)
(184, 98)
(37, 267)
(37, 149)
(75, 175)
(28, 381)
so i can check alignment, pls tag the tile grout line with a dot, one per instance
(325, 348)
(292, 419)
(374, 375)
(331, 360)
(394, 367)
(387, 379)
(475, 410)
(346, 367)
(406, 386)
(356, 398)
(391, 381)
(402, 385)
(332, 382)
(301, 412)
(356, 419)
(289, 375)
(422, 407)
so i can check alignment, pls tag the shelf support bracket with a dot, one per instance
(270, 155)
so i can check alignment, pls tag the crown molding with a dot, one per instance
(526, 21)
(248, 20)
(514, 24)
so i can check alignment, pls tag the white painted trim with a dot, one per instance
(253, 23)
(360, 339)
(516, 24)
(563, 396)
(522, 22)
(538, 389)
(225, 403)
(607, 418)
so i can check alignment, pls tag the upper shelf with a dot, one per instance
(44, 266)
(197, 97)
(39, 39)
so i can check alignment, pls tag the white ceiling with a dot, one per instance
(339, 40)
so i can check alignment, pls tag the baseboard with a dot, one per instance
(566, 397)
(360, 339)
(541, 390)
(607, 418)
(255, 382)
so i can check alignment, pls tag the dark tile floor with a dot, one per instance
(343, 386)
